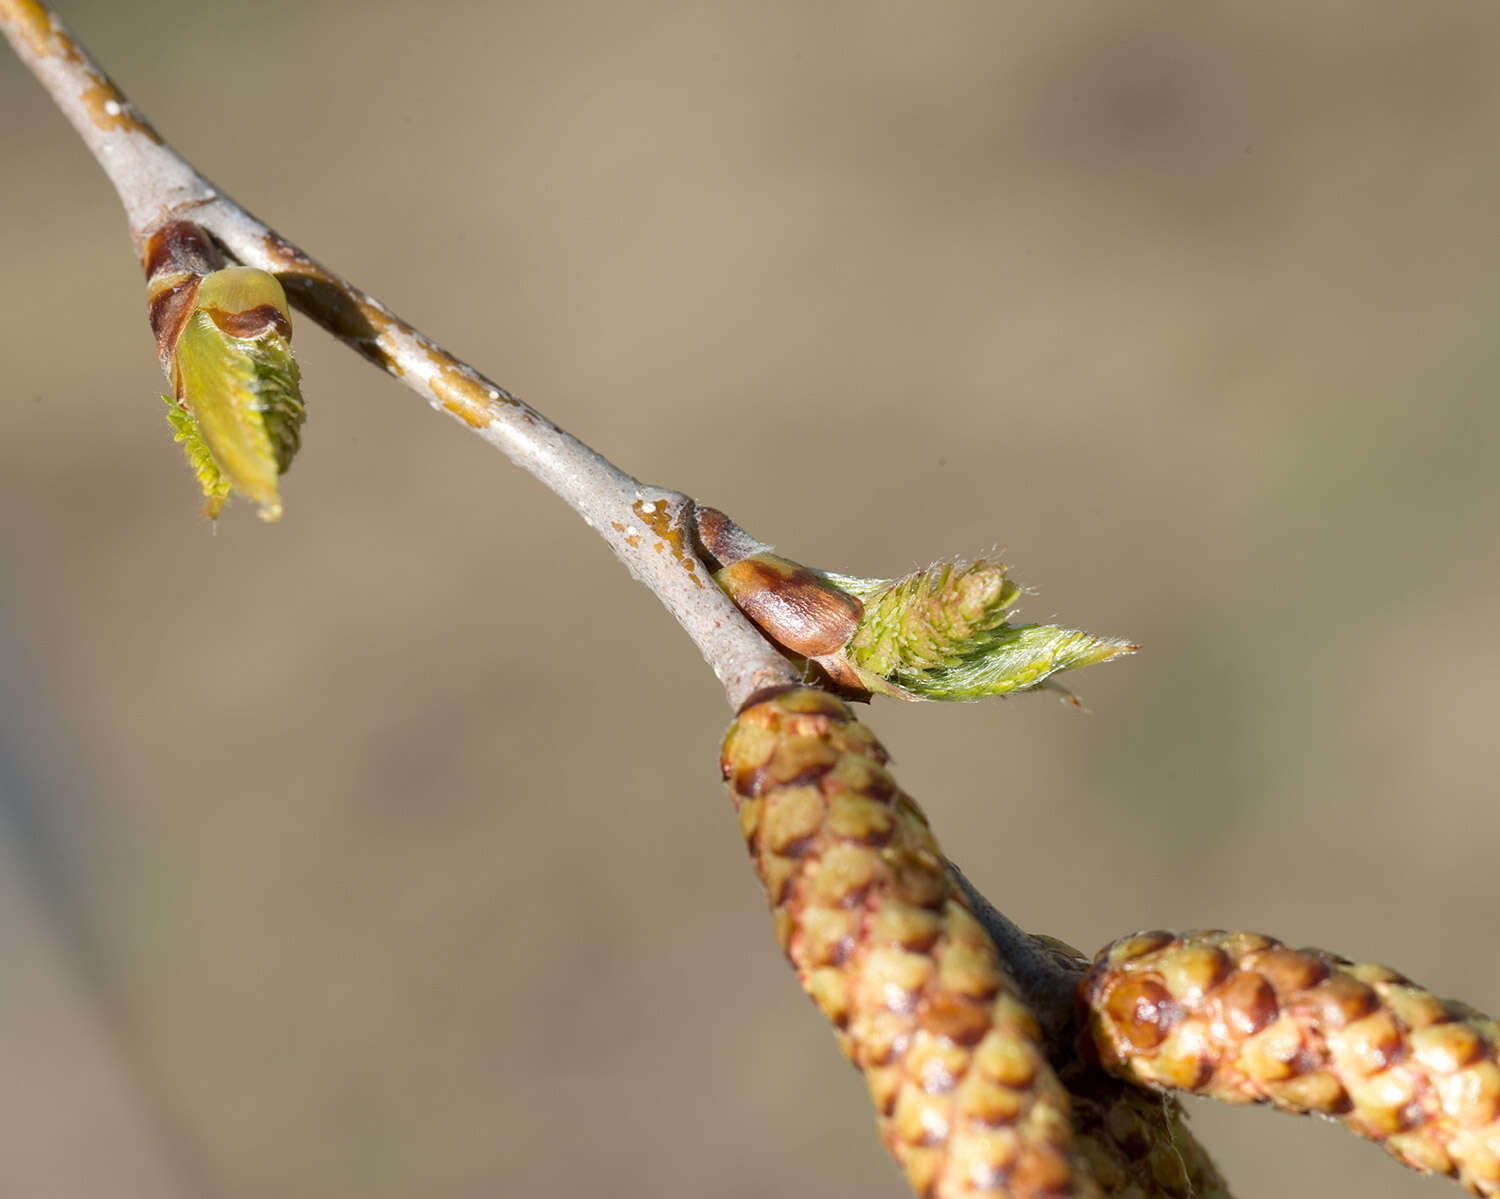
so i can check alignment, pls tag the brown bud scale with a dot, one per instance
(791, 604)
(253, 322)
(170, 296)
(177, 257)
(885, 945)
(1241, 1018)
(181, 246)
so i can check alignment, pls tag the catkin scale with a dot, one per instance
(1244, 1019)
(883, 943)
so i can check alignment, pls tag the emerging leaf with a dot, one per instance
(241, 391)
(944, 633)
(205, 470)
(224, 338)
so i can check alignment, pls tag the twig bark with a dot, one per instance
(649, 528)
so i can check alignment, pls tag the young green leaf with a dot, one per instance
(224, 338)
(945, 633)
(205, 469)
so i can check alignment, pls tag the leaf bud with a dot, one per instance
(939, 633)
(223, 334)
(790, 603)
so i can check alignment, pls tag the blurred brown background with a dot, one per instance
(382, 853)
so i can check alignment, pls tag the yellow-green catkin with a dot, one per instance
(1242, 1018)
(885, 945)
(1137, 1144)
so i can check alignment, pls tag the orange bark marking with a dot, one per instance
(657, 517)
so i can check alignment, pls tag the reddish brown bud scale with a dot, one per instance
(722, 541)
(177, 257)
(886, 947)
(252, 322)
(181, 246)
(1241, 1018)
(170, 297)
(790, 603)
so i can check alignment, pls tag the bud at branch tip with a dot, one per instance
(940, 633)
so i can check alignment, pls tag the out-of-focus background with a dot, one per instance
(381, 852)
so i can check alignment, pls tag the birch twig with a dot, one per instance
(649, 528)
(1017, 1137)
